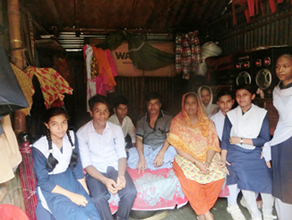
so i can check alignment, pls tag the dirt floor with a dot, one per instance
(187, 213)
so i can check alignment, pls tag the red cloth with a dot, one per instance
(11, 212)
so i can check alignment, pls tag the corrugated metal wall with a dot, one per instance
(267, 30)
(133, 88)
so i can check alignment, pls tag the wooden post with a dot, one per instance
(16, 53)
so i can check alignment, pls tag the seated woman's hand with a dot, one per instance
(203, 169)
(78, 199)
(111, 186)
(207, 164)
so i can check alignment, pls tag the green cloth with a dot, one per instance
(113, 41)
(144, 56)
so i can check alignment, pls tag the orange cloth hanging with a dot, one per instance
(104, 66)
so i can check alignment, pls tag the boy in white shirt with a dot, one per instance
(120, 118)
(103, 156)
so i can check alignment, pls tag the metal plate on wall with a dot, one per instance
(243, 78)
(264, 78)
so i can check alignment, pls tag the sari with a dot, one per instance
(196, 139)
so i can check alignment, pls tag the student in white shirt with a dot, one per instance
(225, 103)
(103, 156)
(120, 118)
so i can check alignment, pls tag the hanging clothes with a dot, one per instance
(188, 53)
(178, 53)
(10, 156)
(113, 68)
(53, 85)
(104, 66)
(25, 82)
(209, 49)
(91, 84)
(100, 71)
(186, 56)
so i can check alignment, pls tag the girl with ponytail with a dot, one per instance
(62, 190)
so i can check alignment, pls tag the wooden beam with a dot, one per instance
(16, 54)
(135, 30)
(134, 5)
(77, 19)
(185, 10)
(25, 11)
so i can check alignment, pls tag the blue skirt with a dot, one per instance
(61, 206)
(282, 171)
(248, 170)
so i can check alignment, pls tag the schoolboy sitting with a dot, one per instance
(103, 156)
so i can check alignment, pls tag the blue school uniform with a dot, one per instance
(282, 171)
(247, 169)
(54, 205)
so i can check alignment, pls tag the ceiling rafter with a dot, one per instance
(77, 18)
(135, 15)
(134, 6)
(51, 4)
(186, 11)
(153, 16)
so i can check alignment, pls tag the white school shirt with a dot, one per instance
(248, 124)
(282, 100)
(101, 151)
(218, 119)
(63, 158)
(127, 126)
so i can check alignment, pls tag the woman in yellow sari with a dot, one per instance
(194, 136)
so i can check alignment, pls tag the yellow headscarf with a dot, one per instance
(194, 139)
